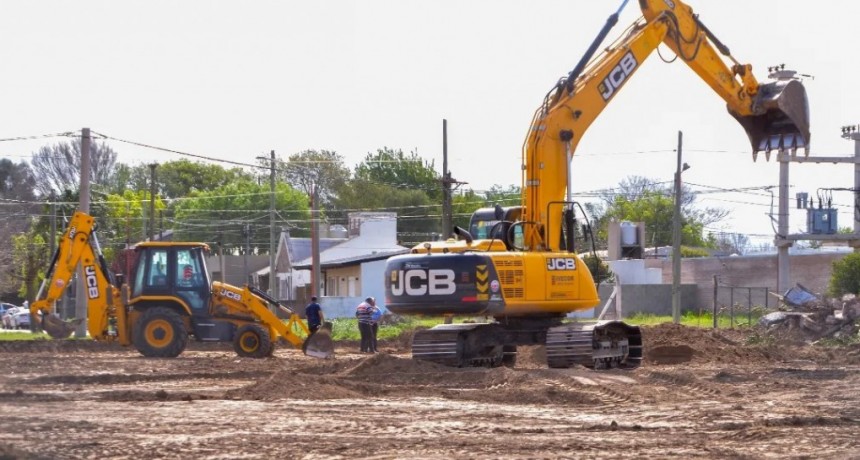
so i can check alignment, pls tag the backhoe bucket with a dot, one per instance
(319, 344)
(57, 328)
(781, 122)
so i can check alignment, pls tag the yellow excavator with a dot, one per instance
(169, 299)
(518, 265)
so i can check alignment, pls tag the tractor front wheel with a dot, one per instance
(253, 341)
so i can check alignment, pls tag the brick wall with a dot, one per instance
(811, 270)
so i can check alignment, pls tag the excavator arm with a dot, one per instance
(775, 115)
(106, 316)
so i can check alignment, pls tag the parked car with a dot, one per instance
(21, 319)
(6, 318)
(3, 308)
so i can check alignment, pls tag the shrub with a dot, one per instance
(688, 252)
(845, 278)
(599, 269)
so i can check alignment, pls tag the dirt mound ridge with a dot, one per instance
(670, 343)
(383, 376)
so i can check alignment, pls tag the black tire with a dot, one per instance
(160, 333)
(253, 341)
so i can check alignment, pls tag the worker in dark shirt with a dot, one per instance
(314, 315)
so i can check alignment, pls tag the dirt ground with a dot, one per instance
(699, 394)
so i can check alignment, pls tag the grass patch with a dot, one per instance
(392, 327)
(840, 341)
(694, 319)
(21, 335)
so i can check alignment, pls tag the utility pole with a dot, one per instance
(446, 185)
(53, 227)
(84, 205)
(676, 239)
(272, 291)
(152, 189)
(247, 234)
(316, 271)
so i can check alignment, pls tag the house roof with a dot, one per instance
(300, 248)
(350, 260)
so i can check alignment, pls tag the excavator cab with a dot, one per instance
(781, 121)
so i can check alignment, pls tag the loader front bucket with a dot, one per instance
(781, 120)
(320, 344)
(57, 328)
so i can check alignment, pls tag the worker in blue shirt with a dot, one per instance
(314, 315)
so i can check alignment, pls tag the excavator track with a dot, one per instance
(437, 346)
(609, 344)
(460, 345)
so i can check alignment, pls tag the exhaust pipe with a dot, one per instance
(781, 118)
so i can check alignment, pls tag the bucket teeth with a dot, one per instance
(780, 119)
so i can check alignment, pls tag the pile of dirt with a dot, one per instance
(674, 343)
(383, 375)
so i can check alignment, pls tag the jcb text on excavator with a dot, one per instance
(169, 299)
(519, 264)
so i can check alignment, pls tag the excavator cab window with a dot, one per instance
(496, 223)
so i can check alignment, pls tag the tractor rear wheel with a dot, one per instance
(253, 341)
(160, 333)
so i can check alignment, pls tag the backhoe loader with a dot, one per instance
(519, 265)
(169, 298)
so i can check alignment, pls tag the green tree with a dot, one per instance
(323, 168)
(124, 219)
(222, 214)
(639, 199)
(417, 217)
(180, 178)
(391, 181)
(29, 261)
(845, 276)
(18, 192)
(396, 169)
(463, 205)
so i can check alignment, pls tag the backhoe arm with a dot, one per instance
(775, 115)
(244, 299)
(79, 245)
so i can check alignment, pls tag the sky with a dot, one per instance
(234, 80)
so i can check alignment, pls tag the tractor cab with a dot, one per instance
(172, 270)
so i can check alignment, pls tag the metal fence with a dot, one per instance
(740, 305)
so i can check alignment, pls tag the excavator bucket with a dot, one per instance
(782, 120)
(320, 344)
(57, 328)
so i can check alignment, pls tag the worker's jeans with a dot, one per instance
(366, 331)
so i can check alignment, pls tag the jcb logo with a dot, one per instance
(418, 282)
(231, 295)
(617, 76)
(92, 281)
(561, 263)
